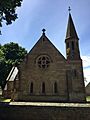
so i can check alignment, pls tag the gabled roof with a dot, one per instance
(12, 75)
(71, 31)
(44, 42)
(88, 85)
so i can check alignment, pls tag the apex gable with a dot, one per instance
(45, 46)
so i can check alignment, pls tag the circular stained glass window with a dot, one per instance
(43, 61)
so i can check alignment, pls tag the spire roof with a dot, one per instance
(71, 32)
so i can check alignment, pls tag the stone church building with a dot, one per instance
(46, 75)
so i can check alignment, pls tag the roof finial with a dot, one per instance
(69, 9)
(43, 31)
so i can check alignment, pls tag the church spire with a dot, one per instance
(71, 40)
(71, 31)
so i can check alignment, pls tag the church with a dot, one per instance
(45, 75)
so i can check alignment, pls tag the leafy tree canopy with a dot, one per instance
(8, 10)
(1, 55)
(11, 54)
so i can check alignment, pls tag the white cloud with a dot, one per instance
(86, 65)
(87, 75)
(86, 61)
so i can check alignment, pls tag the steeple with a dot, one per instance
(71, 40)
(71, 32)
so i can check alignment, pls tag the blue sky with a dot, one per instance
(34, 15)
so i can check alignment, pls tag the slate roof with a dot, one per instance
(12, 75)
(71, 31)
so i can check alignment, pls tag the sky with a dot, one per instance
(34, 15)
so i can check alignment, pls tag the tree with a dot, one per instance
(1, 54)
(11, 54)
(8, 10)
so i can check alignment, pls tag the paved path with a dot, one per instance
(51, 104)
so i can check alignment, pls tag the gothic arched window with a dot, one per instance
(43, 87)
(55, 88)
(67, 45)
(31, 87)
(75, 73)
(72, 45)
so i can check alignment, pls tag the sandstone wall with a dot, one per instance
(12, 112)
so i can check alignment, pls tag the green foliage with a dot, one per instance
(1, 55)
(88, 98)
(11, 55)
(8, 10)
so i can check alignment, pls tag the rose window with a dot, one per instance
(43, 61)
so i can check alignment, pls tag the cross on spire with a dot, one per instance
(69, 9)
(43, 31)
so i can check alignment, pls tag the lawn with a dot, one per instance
(4, 100)
(88, 98)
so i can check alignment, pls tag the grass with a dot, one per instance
(4, 100)
(88, 98)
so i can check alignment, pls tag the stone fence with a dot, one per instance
(44, 111)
